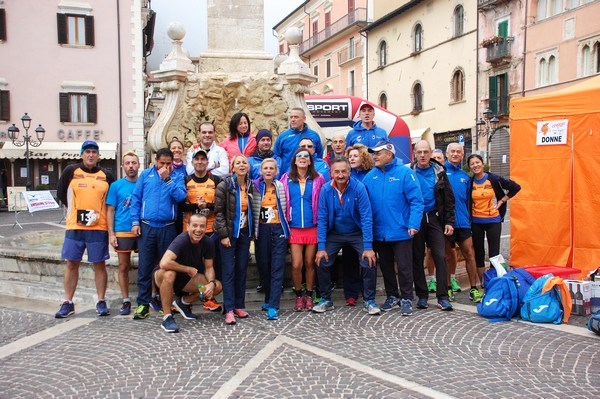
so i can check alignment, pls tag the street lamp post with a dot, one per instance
(13, 134)
(487, 126)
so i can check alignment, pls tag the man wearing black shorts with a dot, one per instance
(120, 236)
(187, 263)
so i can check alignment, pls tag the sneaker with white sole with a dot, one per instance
(389, 303)
(371, 307)
(405, 307)
(169, 325)
(184, 310)
(323, 306)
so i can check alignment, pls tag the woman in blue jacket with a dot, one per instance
(488, 197)
(302, 187)
(271, 232)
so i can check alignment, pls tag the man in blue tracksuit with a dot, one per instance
(437, 221)
(365, 131)
(288, 141)
(345, 218)
(461, 185)
(153, 216)
(397, 205)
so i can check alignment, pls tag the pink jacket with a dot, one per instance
(232, 147)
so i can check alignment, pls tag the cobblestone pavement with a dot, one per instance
(341, 354)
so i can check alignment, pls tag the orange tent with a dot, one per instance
(555, 157)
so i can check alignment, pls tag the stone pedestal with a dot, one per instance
(235, 38)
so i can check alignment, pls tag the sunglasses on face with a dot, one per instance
(302, 155)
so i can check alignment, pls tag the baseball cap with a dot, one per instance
(199, 151)
(363, 105)
(89, 144)
(383, 145)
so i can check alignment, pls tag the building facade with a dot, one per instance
(563, 44)
(77, 68)
(332, 44)
(422, 66)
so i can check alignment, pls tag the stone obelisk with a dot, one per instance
(236, 38)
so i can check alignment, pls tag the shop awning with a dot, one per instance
(55, 150)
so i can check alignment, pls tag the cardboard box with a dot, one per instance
(595, 296)
(581, 296)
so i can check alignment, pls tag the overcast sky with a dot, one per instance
(192, 13)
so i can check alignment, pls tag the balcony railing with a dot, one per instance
(350, 53)
(499, 51)
(356, 17)
(485, 4)
(499, 105)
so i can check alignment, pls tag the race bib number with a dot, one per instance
(268, 214)
(87, 217)
(243, 220)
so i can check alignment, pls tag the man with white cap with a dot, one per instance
(83, 187)
(365, 131)
(397, 205)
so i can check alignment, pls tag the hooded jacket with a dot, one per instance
(396, 201)
(291, 202)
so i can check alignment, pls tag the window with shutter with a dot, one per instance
(2, 24)
(493, 97)
(77, 30)
(503, 28)
(78, 107)
(4, 105)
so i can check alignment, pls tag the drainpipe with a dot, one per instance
(120, 149)
(477, 84)
(524, 50)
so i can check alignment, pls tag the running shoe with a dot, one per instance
(155, 303)
(405, 307)
(450, 295)
(475, 295)
(265, 307)
(308, 302)
(66, 310)
(444, 304)
(323, 306)
(169, 325)
(184, 310)
(299, 304)
(454, 285)
(125, 308)
(351, 302)
(141, 312)
(389, 303)
(229, 318)
(241, 313)
(432, 286)
(422, 303)
(102, 309)
(272, 314)
(212, 305)
(371, 307)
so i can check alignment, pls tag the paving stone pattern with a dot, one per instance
(456, 353)
(17, 325)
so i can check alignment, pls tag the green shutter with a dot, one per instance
(493, 97)
(503, 28)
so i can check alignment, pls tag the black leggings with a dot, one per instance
(493, 232)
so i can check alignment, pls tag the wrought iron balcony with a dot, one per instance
(350, 53)
(499, 52)
(356, 17)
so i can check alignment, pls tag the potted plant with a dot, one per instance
(492, 41)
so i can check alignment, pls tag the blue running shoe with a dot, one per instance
(66, 310)
(272, 314)
(389, 303)
(422, 303)
(405, 307)
(155, 303)
(184, 310)
(265, 307)
(125, 308)
(371, 308)
(102, 309)
(169, 325)
(444, 304)
(323, 306)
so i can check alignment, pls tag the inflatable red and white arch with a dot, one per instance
(341, 112)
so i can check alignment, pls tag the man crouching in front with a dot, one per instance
(185, 270)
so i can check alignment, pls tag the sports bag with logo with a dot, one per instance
(593, 323)
(504, 295)
(547, 301)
